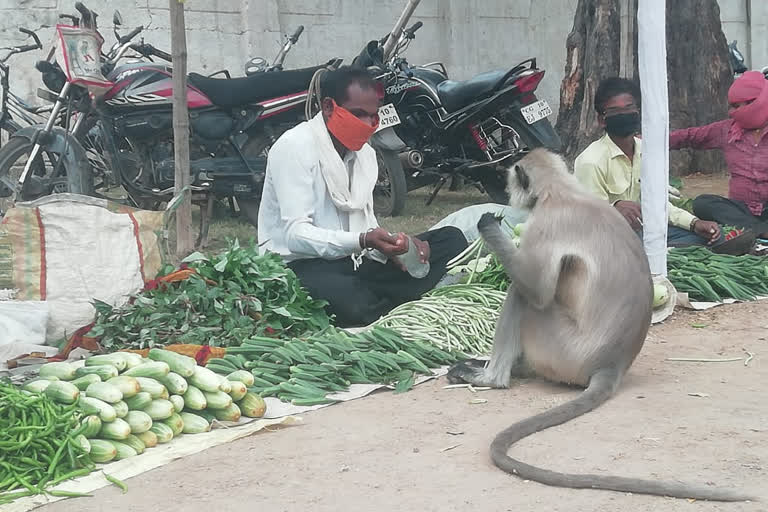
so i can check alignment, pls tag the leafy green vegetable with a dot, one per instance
(683, 203)
(232, 296)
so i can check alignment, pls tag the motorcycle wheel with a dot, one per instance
(391, 190)
(46, 179)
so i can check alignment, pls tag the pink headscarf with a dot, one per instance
(752, 85)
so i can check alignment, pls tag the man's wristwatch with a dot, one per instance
(692, 226)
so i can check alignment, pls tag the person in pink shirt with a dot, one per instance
(745, 147)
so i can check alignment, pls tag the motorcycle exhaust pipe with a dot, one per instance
(411, 159)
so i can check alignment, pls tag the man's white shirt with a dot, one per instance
(297, 218)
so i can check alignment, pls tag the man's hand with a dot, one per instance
(707, 229)
(384, 242)
(632, 212)
(423, 248)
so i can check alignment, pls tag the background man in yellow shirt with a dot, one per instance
(610, 169)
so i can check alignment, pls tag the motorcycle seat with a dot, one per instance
(455, 94)
(234, 92)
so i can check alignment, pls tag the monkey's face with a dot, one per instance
(532, 175)
(519, 187)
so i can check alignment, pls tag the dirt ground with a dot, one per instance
(428, 449)
(698, 183)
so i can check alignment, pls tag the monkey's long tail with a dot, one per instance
(600, 389)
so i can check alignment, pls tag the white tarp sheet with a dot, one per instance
(277, 413)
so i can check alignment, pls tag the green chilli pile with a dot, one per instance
(41, 443)
(129, 403)
(304, 371)
(706, 276)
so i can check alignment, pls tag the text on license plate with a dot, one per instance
(536, 111)
(388, 116)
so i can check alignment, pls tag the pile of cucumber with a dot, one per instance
(131, 403)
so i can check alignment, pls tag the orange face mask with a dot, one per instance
(348, 129)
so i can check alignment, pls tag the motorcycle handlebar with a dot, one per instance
(130, 35)
(87, 16)
(82, 9)
(409, 32)
(31, 34)
(27, 48)
(295, 37)
(163, 55)
(148, 50)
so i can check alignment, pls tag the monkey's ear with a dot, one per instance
(522, 177)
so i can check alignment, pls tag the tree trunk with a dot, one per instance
(184, 239)
(699, 77)
(592, 54)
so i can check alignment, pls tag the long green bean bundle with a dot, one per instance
(460, 318)
(40, 443)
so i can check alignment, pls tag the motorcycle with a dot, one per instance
(232, 122)
(433, 129)
(443, 129)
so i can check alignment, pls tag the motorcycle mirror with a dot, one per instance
(117, 18)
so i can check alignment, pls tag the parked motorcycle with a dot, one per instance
(438, 129)
(232, 122)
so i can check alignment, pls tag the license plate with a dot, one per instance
(536, 111)
(388, 117)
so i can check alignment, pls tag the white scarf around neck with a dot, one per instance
(355, 198)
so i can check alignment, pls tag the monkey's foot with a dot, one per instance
(473, 372)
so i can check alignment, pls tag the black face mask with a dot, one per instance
(623, 125)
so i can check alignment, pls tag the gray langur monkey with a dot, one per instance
(577, 312)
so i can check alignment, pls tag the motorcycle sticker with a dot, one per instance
(400, 87)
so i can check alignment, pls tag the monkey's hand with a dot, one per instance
(494, 238)
(488, 220)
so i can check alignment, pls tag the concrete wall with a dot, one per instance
(468, 36)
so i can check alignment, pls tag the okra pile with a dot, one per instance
(41, 444)
(304, 370)
(706, 276)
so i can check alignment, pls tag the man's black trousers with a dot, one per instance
(358, 298)
(729, 212)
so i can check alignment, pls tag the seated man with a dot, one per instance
(610, 168)
(317, 210)
(745, 147)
